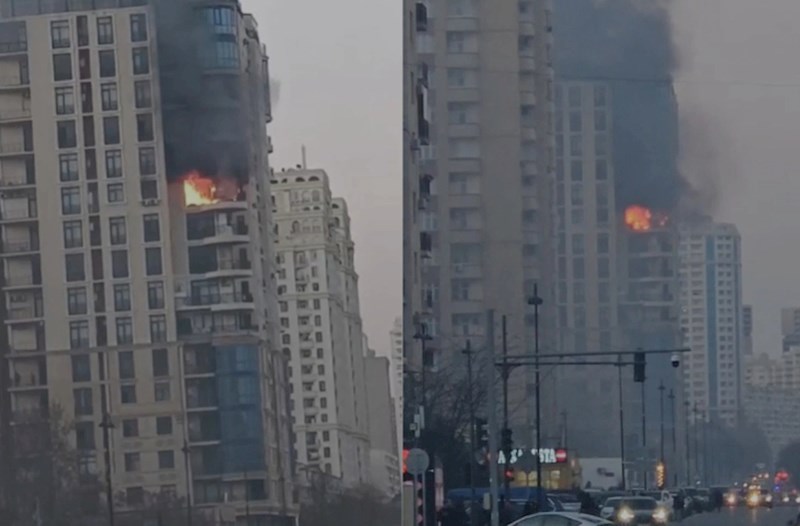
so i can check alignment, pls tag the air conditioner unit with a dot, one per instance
(153, 201)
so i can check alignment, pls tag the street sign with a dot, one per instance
(417, 461)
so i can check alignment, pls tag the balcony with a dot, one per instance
(14, 148)
(18, 216)
(27, 314)
(227, 300)
(19, 47)
(220, 234)
(15, 115)
(424, 132)
(18, 248)
(23, 282)
(241, 267)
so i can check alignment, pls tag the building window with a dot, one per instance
(76, 301)
(73, 234)
(67, 134)
(68, 167)
(155, 295)
(149, 189)
(166, 460)
(164, 425)
(124, 331)
(144, 127)
(83, 401)
(152, 229)
(127, 367)
(162, 392)
(133, 462)
(141, 61)
(153, 261)
(144, 96)
(78, 334)
(65, 101)
(160, 363)
(62, 67)
(158, 328)
(81, 368)
(109, 96)
(138, 28)
(116, 193)
(127, 394)
(147, 161)
(119, 263)
(105, 30)
(113, 163)
(59, 34)
(134, 496)
(108, 64)
(130, 428)
(118, 230)
(122, 297)
(74, 267)
(84, 436)
(111, 130)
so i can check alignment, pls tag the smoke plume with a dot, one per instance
(205, 126)
(628, 45)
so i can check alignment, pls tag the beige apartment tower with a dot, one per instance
(486, 146)
(137, 274)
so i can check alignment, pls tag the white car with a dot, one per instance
(561, 518)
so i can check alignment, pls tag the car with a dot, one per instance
(561, 518)
(760, 498)
(634, 510)
(569, 501)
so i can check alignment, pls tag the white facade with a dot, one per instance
(711, 317)
(122, 303)
(321, 325)
(396, 364)
(384, 454)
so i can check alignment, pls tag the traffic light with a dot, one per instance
(507, 441)
(482, 432)
(509, 474)
(639, 362)
(661, 475)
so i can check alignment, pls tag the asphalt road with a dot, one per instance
(778, 516)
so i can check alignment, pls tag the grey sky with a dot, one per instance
(740, 78)
(339, 69)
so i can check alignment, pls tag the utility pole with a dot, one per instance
(505, 445)
(705, 448)
(695, 412)
(673, 425)
(472, 439)
(492, 417)
(621, 423)
(423, 336)
(688, 452)
(107, 425)
(537, 301)
(186, 451)
(564, 436)
(247, 498)
(644, 434)
(661, 389)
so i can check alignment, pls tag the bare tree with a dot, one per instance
(327, 506)
(162, 509)
(49, 486)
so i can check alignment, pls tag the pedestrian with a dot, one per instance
(588, 505)
(716, 500)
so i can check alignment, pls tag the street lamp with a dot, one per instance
(423, 336)
(537, 302)
(186, 452)
(107, 425)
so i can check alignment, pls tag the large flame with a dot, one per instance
(641, 219)
(199, 190)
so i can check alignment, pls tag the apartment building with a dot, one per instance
(711, 317)
(489, 152)
(384, 447)
(320, 321)
(138, 276)
(587, 259)
(396, 374)
(747, 330)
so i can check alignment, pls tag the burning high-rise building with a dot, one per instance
(137, 264)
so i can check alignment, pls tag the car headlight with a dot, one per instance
(731, 499)
(785, 499)
(661, 515)
(752, 499)
(625, 515)
(769, 498)
(797, 499)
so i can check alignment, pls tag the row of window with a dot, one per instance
(61, 31)
(75, 265)
(79, 331)
(576, 172)
(69, 171)
(67, 131)
(575, 96)
(82, 371)
(77, 298)
(84, 404)
(109, 97)
(107, 61)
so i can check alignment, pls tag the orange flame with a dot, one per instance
(199, 190)
(638, 218)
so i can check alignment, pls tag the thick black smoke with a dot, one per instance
(205, 125)
(628, 44)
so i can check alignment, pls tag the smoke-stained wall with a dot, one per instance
(628, 44)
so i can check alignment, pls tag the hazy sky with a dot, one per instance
(339, 69)
(740, 81)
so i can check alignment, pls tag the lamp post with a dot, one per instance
(661, 389)
(107, 425)
(423, 336)
(537, 301)
(688, 452)
(468, 352)
(621, 423)
(186, 451)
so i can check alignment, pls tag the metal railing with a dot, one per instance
(13, 47)
(202, 300)
(18, 247)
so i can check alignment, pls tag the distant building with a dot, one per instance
(320, 324)
(711, 317)
(770, 410)
(790, 327)
(396, 365)
(384, 449)
(747, 330)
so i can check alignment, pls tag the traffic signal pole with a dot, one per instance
(473, 442)
(506, 438)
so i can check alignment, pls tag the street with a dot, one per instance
(744, 517)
